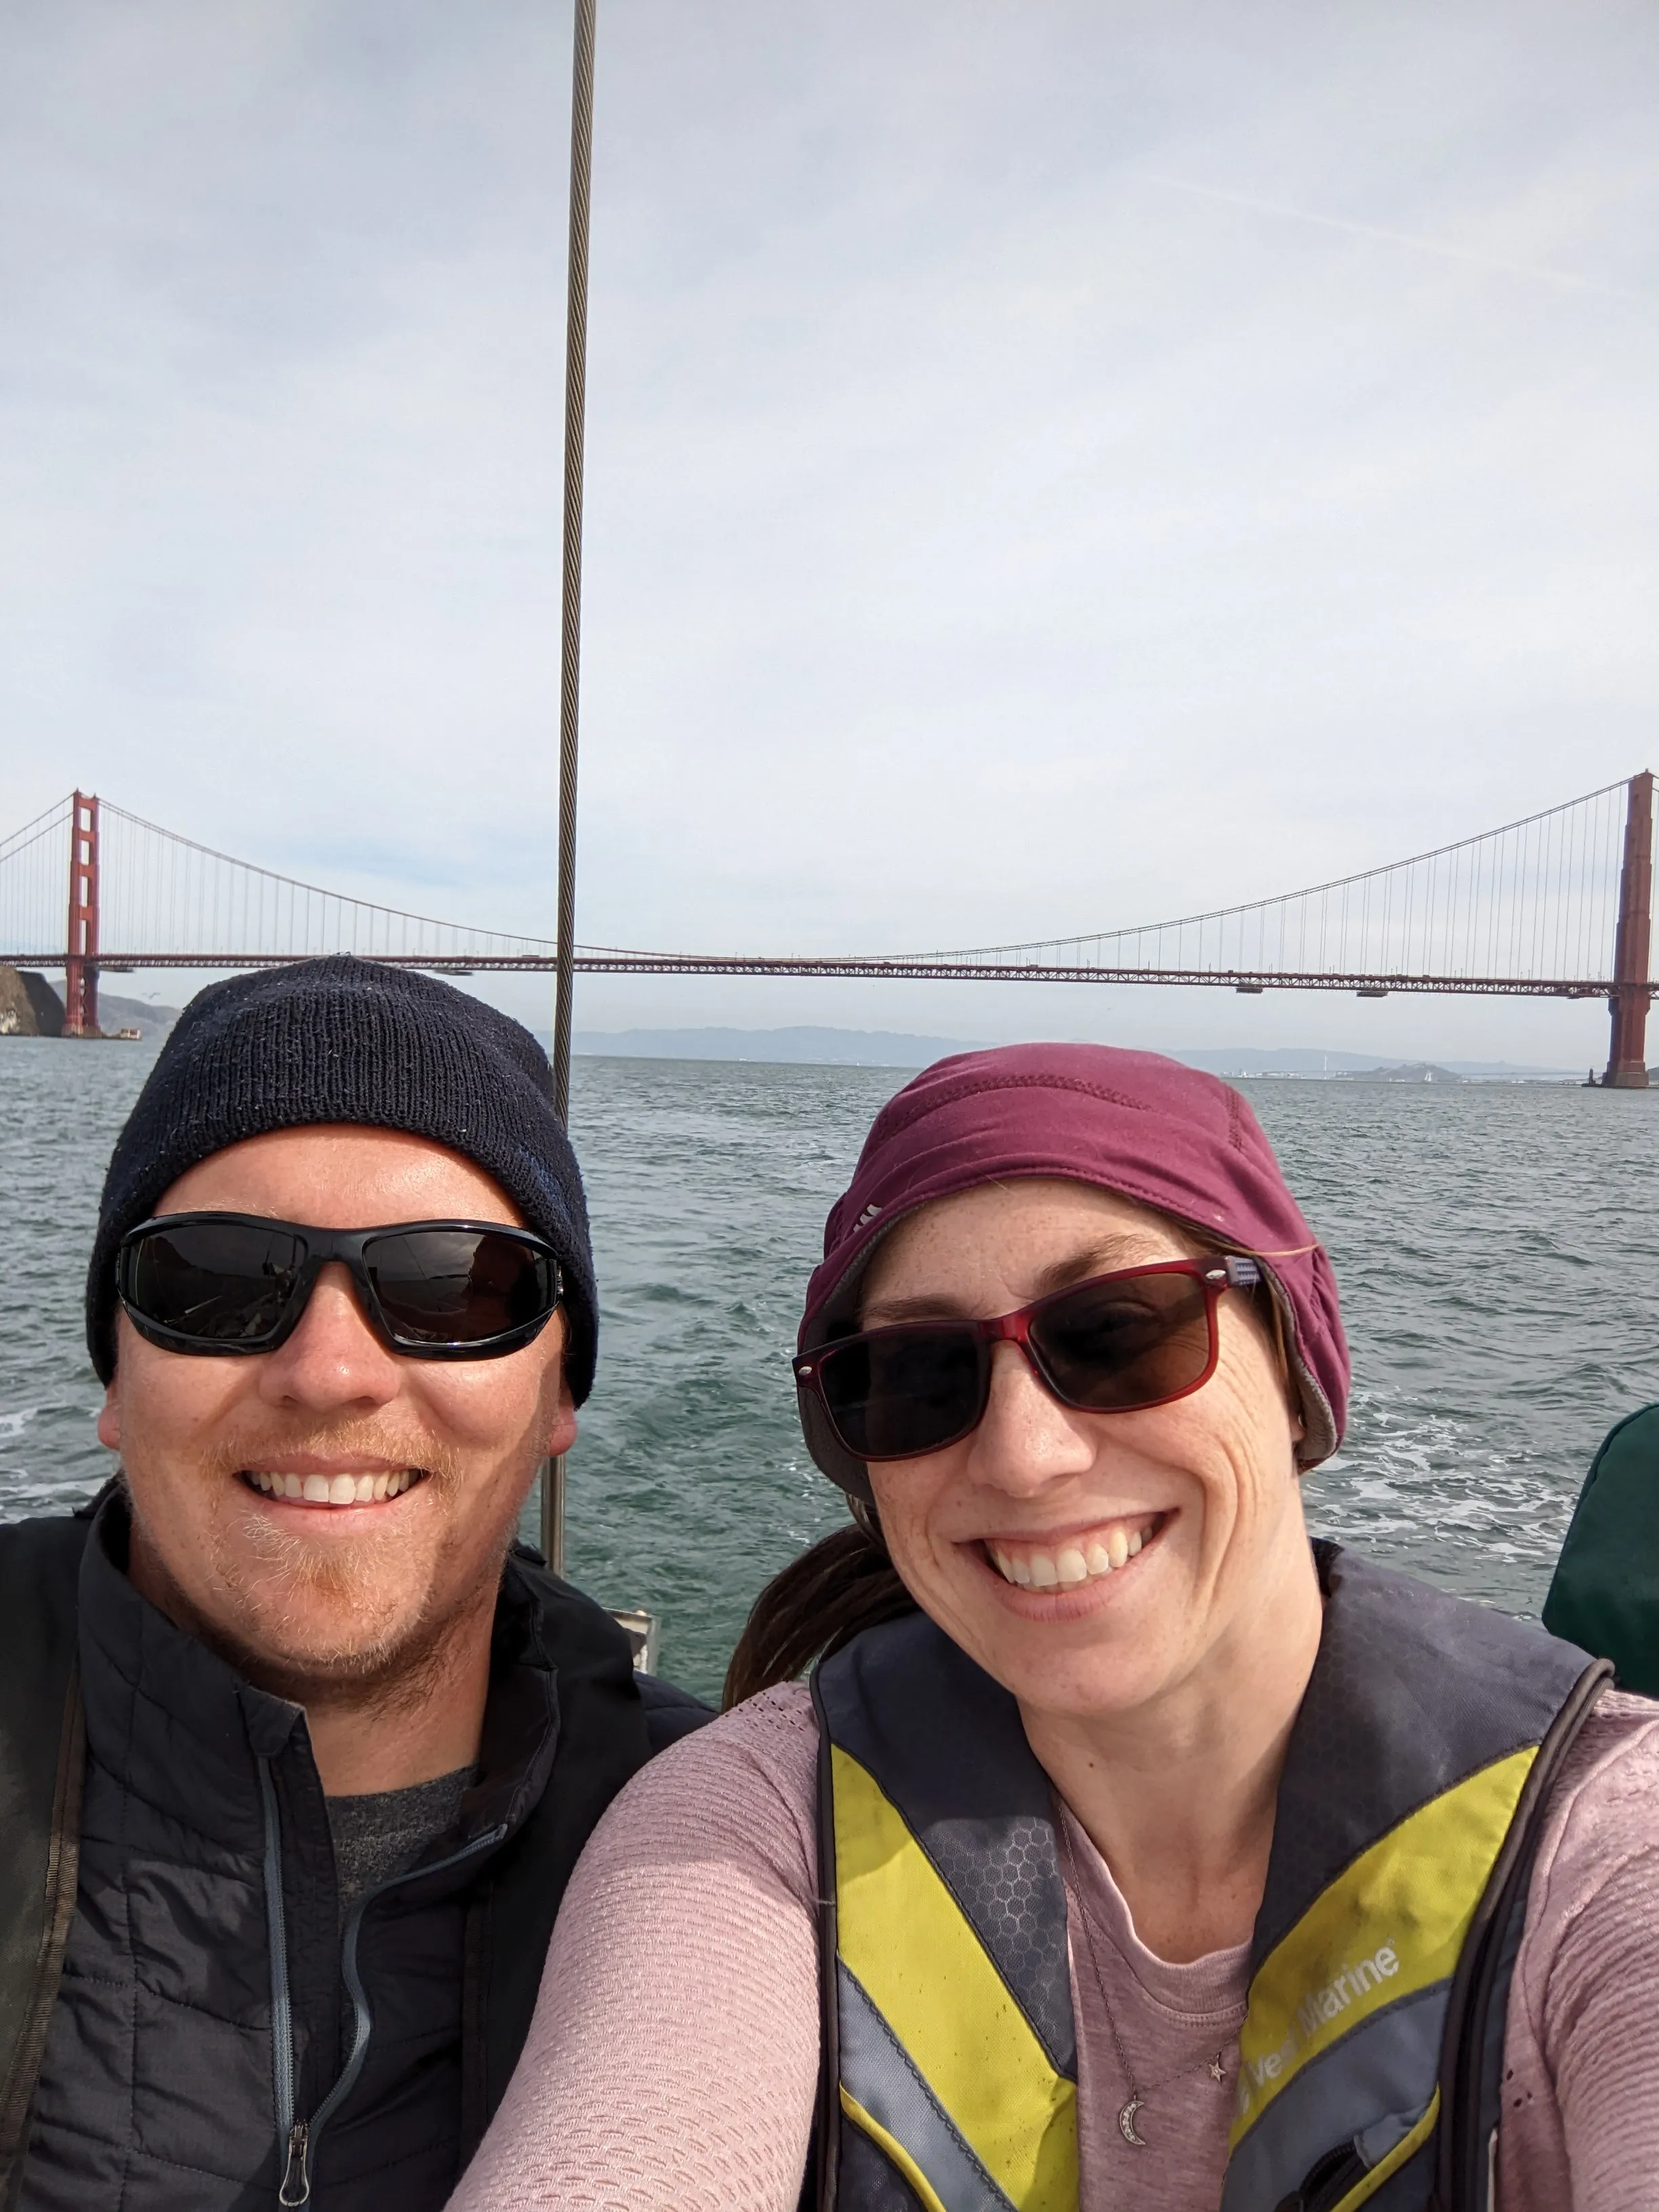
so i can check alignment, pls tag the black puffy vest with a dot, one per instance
(166, 1885)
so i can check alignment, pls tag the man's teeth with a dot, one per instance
(334, 1489)
(1083, 1561)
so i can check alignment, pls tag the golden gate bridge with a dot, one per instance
(1557, 905)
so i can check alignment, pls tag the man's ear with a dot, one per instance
(109, 1420)
(560, 1407)
(563, 1426)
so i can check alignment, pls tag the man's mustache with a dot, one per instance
(266, 1445)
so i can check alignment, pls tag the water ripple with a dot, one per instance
(1498, 1249)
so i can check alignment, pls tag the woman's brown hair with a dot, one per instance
(840, 1585)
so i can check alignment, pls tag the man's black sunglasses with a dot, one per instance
(237, 1283)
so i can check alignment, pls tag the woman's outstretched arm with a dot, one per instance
(673, 2057)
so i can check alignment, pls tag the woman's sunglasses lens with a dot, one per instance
(460, 1286)
(1136, 1341)
(894, 1393)
(218, 1282)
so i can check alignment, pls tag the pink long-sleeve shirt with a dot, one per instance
(674, 2054)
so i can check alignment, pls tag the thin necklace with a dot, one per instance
(1215, 2067)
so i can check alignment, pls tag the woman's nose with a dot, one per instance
(1027, 1439)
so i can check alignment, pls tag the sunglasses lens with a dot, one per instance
(1140, 1341)
(455, 1286)
(212, 1282)
(902, 1391)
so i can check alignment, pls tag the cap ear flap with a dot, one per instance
(829, 1454)
(1319, 1438)
(1319, 1431)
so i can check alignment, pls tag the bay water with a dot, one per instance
(1496, 1247)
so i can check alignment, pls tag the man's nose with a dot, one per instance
(1027, 1439)
(333, 1359)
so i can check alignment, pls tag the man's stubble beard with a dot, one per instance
(378, 1655)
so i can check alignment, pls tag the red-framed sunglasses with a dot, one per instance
(1143, 1336)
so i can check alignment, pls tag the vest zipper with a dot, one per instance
(290, 2135)
(296, 2139)
(296, 2182)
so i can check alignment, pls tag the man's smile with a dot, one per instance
(366, 1487)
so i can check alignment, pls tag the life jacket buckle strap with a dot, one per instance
(1327, 2182)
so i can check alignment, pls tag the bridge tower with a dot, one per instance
(81, 956)
(1627, 1060)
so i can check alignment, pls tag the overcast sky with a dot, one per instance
(1050, 466)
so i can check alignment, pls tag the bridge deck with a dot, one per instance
(1365, 982)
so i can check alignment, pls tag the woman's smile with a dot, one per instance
(1063, 1560)
(1068, 1574)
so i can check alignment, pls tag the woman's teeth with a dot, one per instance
(1083, 1559)
(334, 1489)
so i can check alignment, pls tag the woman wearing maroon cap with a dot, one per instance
(1126, 1849)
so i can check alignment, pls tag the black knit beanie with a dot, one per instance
(348, 1040)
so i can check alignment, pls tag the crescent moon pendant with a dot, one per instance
(1126, 2120)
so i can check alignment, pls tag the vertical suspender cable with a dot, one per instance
(575, 399)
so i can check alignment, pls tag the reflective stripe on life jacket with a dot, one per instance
(1417, 1771)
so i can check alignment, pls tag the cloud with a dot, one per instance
(1049, 466)
(1532, 271)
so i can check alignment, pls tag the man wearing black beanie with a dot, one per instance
(297, 1747)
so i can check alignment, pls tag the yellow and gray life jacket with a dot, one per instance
(1371, 2051)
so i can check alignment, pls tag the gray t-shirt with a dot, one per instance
(380, 1833)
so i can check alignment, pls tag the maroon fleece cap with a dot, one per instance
(1183, 1143)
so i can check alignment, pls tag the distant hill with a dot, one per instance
(825, 1047)
(899, 1049)
(115, 1013)
(1240, 1063)
(1506, 1071)
(28, 1005)
(1405, 1071)
(31, 1007)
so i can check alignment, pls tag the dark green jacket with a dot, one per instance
(1605, 1596)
